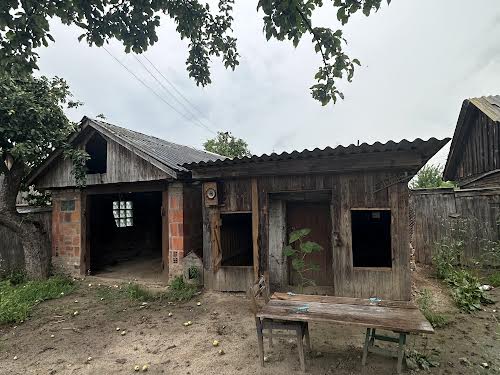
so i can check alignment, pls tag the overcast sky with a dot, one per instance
(420, 60)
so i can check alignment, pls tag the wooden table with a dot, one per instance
(400, 317)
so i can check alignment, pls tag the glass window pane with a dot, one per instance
(116, 214)
(129, 205)
(130, 222)
(117, 222)
(122, 223)
(129, 213)
(122, 213)
(122, 204)
(115, 205)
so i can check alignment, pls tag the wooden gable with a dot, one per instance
(475, 149)
(122, 165)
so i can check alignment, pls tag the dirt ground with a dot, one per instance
(53, 341)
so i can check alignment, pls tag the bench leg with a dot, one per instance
(401, 351)
(271, 337)
(365, 347)
(300, 348)
(260, 340)
(308, 338)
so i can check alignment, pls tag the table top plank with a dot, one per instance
(342, 300)
(369, 316)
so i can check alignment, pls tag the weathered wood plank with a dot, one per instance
(390, 318)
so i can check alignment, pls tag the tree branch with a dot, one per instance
(311, 30)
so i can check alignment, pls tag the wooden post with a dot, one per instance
(164, 235)
(255, 227)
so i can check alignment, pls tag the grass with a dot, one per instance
(494, 279)
(18, 297)
(426, 305)
(178, 291)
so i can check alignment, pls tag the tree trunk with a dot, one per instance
(30, 232)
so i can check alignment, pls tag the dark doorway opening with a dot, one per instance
(315, 216)
(125, 235)
(97, 149)
(236, 239)
(371, 238)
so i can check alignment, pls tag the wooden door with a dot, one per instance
(315, 216)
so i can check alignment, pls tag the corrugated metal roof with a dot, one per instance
(489, 105)
(431, 146)
(171, 154)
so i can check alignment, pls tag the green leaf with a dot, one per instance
(288, 251)
(298, 234)
(310, 247)
(298, 264)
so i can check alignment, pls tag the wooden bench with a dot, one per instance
(400, 317)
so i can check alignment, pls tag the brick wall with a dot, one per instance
(66, 231)
(175, 228)
(193, 221)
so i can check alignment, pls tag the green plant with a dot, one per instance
(494, 279)
(180, 291)
(194, 273)
(17, 277)
(298, 255)
(415, 360)
(136, 292)
(426, 305)
(466, 291)
(17, 300)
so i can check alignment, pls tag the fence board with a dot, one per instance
(435, 210)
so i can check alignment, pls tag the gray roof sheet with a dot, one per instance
(430, 146)
(171, 154)
(489, 105)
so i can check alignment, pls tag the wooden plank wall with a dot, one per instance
(122, 166)
(481, 148)
(360, 190)
(435, 211)
(11, 250)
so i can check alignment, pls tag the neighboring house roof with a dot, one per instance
(490, 106)
(167, 156)
(424, 150)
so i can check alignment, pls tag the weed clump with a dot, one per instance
(18, 296)
(426, 305)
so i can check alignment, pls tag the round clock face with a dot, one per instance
(211, 193)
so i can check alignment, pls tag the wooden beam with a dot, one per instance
(409, 161)
(164, 235)
(255, 227)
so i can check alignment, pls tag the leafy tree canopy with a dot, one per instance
(227, 145)
(430, 177)
(24, 26)
(32, 125)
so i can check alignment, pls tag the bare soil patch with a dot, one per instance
(54, 341)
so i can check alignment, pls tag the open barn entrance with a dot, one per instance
(236, 239)
(124, 236)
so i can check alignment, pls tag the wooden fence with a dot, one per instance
(11, 251)
(436, 213)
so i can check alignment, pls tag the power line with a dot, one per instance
(194, 117)
(154, 92)
(175, 88)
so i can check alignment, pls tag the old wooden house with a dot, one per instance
(474, 164)
(354, 199)
(474, 158)
(139, 212)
